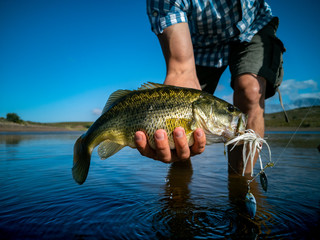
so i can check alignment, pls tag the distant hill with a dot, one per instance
(272, 121)
(22, 126)
(311, 115)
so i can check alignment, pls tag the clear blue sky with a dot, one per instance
(61, 59)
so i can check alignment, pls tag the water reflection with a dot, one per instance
(18, 138)
(127, 198)
(11, 139)
(238, 188)
(181, 216)
(177, 209)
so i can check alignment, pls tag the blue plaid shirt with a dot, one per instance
(213, 24)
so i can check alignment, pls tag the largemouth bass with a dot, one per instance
(152, 107)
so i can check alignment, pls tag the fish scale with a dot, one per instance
(152, 107)
(133, 114)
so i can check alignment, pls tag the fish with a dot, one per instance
(251, 204)
(155, 106)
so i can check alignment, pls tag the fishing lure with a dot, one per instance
(251, 204)
(264, 181)
(252, 143)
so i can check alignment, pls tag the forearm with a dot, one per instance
(181, 71)
(178, 52)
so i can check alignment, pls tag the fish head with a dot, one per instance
(218, 117)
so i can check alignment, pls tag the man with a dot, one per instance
(199, 39)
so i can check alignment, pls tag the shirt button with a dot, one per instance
(155, 13)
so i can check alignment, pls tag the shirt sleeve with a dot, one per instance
(164, 13)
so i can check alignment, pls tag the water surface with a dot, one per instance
(131, 197)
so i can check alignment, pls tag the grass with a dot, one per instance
(310, 115)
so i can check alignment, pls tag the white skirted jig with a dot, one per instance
(252, 143)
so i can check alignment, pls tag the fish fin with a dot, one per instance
(81, 161)
(107, 149)
(114, 97)
(151, 85)
(212, 138)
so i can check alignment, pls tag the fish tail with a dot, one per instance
(81, 161)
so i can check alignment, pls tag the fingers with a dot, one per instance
(163, 152)
(181, 143)
(143, 146)
(199, 142)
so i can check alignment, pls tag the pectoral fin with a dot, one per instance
(107, 149)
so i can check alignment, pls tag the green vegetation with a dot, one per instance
(312, 119)
(76, 126)
(13, 117)
(70, 125)
(8, 124)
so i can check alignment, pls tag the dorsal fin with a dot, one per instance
(115, 96)
(151, 85)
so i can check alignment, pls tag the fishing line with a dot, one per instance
(295, 132)
(272, 164)
(250, 138)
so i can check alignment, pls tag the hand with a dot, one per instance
(163, 152)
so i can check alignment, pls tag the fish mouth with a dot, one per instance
(241, 124)
(237, 127)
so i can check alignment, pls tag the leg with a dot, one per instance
(256, 72)
(249, 95)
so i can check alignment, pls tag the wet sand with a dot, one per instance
(15, 127)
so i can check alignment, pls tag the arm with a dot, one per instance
(178, 52)
(177, 49)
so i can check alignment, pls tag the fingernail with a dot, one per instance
(199, 134)
(178, 134)
(138, 137)
(159, 136)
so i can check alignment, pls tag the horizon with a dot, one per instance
(26, 120)
(61, 60)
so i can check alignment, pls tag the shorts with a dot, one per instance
(261, 56)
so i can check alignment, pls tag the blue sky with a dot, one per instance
(61, 59)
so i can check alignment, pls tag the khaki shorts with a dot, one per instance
(261, 56)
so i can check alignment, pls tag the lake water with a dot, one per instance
(131, 197)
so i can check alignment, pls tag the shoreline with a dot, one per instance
(291, 129)
(16, 128)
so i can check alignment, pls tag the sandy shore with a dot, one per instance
(15, 127)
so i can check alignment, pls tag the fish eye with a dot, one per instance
(231, 108)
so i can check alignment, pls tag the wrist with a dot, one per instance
(187, 79)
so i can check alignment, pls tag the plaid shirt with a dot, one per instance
(213, 24)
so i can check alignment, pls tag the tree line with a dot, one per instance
(13, 117)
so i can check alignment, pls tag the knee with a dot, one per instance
(249, 89)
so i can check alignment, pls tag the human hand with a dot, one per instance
(163, 152)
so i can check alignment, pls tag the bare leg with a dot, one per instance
(249, 95)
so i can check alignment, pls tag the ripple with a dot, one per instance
(131, 197)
